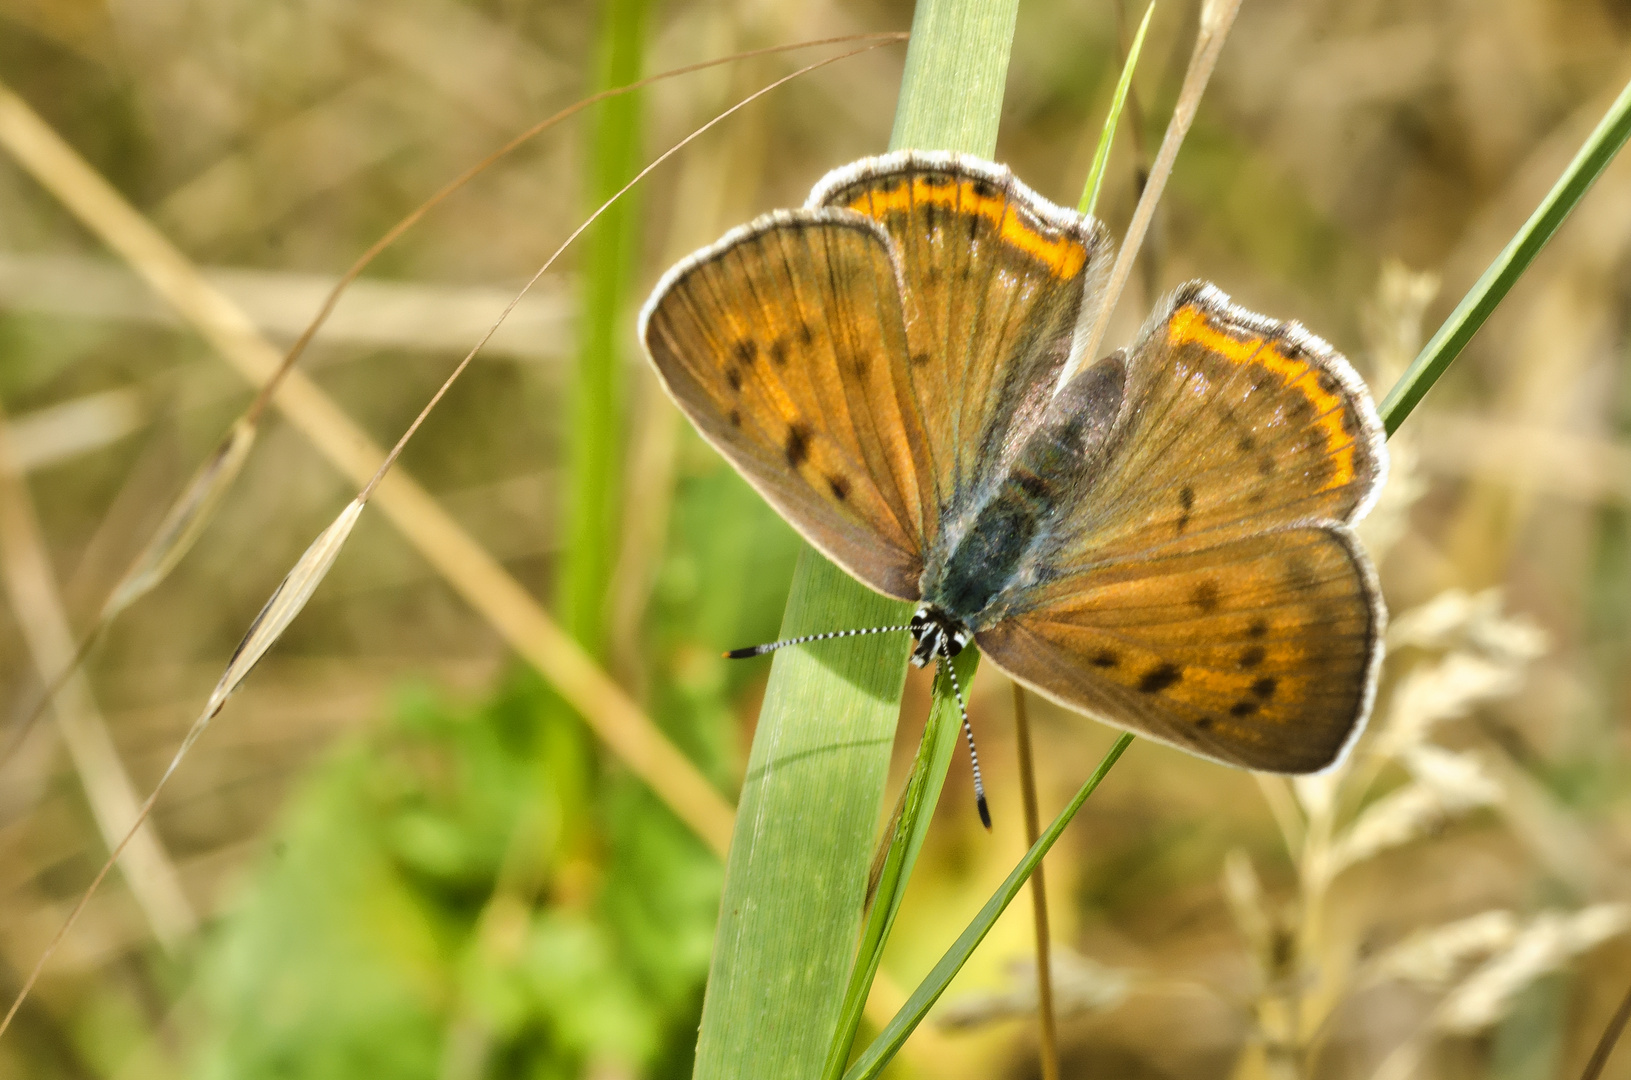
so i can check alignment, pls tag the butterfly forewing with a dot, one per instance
(1235, 423)
(1259, 651)
(996, 280)
(783, 344)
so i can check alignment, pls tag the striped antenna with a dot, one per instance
(968, 733)
(760, 650)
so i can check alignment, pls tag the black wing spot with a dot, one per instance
(861, 361)
(798, 444)
(747, 350)
(1329, 383)
(735, 417)
(1252, 655)
(1257, 629)
(1158, 678)
(734, 377)
(1205, 597)
(921, 359)
(805, 337)
(1246, 444)
(1105, 658)
(778, 352)
(973, 234)
(1242, 709)
(1186, 497)
(935, 180)
(983, 189)
(839, 487)
(1266, 467)
(1300, 576)
(1265, 687)
(1204, 723)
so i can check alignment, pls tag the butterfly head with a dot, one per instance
(936, 634)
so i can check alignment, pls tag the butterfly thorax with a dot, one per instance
(997, 548)
(936, 633)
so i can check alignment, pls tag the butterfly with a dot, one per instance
(1160, 538)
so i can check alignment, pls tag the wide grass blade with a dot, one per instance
(796, 877)
(1101, 154)
(907, 832)
(1480, 302)
(889, 1042)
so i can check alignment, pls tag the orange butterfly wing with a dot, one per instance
(782, 343)
(865, 362)
(1204, 588)
(996, 280)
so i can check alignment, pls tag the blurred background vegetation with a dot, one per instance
(398, 854)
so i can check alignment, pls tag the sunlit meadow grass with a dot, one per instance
(407, 858)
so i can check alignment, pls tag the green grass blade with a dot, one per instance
(1101, 155)
(956, 65)
(887, 1044)
(928, 776)
(796, 875)
(1465, 321)
(595, 426)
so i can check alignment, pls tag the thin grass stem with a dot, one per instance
(1611, 1036)
(1492, 286)
(1107, 136)
(1217, 17)
(873, 1060)
(297, 587)
(1047, 1023)
(195, 507)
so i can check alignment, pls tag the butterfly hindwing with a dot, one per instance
(783, 343)
(996, 280)
(1260, 651)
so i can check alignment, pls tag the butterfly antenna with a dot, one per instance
(760, 650)
(968, 733)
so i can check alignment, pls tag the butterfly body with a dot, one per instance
(1159, 539)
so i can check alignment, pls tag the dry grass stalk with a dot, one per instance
(49, 158)
(1217, 17)
(1041, 968)
(469, 568)
(1459, 651)
(30, 586)
(413, 218)
(1545, 944)
(297, 587)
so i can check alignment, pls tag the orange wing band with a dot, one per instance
(1189, 325)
